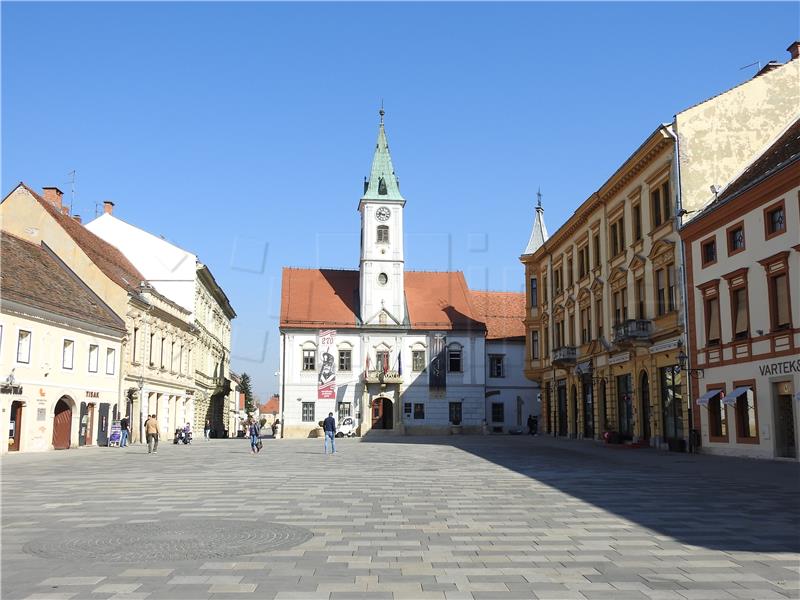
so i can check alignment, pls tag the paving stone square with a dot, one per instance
(457, 517)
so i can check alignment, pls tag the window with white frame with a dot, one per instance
(24, 347)
(496, 365)
(94, 356)
(111, 361)
(68, 354)
(418, 360)
(454, 359)
(309, 360)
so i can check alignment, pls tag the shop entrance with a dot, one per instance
(382, 413)
(625, 406)
(644, 409)
(573, 404)
(15, 426)
(588, 407)
(672, 407)
(102, 425)
(785, 444)
(562, 407)
(62, 425)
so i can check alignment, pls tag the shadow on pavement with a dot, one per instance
(721, 503)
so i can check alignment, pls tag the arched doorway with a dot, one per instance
(573, 405)
(15, 426)
(624, 406)
(62, 425)
(644, 409)
(382, 413)
(588, 407)
(602, 409)
(561, 390)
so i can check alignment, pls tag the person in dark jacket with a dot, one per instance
(124, 431)
(531, 424)
(329, 425)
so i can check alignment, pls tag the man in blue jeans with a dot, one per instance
(329, 425)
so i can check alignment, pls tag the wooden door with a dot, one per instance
(102, 425)
(62, 426)
(377, 413)
(15, 426)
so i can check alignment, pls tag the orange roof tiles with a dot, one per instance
(503, 313)
(312, 298)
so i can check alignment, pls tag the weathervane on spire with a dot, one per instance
(381, 112)
(539, 198)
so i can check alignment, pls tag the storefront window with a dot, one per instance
(625, 405)
(672, 403)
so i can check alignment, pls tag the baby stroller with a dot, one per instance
(182, 437)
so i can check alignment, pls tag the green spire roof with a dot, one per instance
(382, 184)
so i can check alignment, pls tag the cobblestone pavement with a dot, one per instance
(444, 518)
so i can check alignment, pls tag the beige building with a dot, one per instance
(604, 320)
(743, 266)
(60, 350)
(182, 278)
(156, 351)
(606, 327)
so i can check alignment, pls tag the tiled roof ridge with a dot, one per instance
(342, 269)
(110, 249)
(497, 292)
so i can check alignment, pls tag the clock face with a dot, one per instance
(383, 278)
(382, 214)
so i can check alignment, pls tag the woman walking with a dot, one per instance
(255, 431)
(207, 429)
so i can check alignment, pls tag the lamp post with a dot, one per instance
(683, 364)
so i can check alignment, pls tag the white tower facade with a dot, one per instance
(381, 281)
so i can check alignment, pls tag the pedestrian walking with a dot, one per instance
(531, 424)
(207, 429)
(329, 426)
(255, 432)
(123, 432)
(152, 432)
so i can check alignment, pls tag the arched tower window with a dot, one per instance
(383, 234)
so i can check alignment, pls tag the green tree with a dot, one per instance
(246, 389)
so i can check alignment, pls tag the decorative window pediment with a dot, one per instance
(662, 252)
(309, 345)
(584, 297)
(619, 277)
(597, 286)
(637, 263)
(570, 302)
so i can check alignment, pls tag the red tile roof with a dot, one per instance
(503, 313)
(313, 298)
(33, 276)
(273, 405)
(107, 257)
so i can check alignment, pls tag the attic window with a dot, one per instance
(382, 191)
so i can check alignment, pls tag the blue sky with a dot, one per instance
(243, 132)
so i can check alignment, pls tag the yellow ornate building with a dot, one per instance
(605, 319)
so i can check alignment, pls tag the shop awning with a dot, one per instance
(704, 399)
(731, 398)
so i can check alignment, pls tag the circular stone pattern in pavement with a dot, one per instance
(172, 540)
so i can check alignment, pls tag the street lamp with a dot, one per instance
(683, 363)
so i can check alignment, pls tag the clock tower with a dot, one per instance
(381, 287)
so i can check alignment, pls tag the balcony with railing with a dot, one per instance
(381, 376)
(565, 356)
(632, 332)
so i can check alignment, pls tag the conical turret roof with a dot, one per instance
(539, 234)
(382, 183)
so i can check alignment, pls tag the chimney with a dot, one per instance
(108, 207)
(77, 218)
(794, 49)
(65, 210)
(53, 195)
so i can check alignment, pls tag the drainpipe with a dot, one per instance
(683, 290)
(283, 382)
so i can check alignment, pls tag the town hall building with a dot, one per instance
(396, 350)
